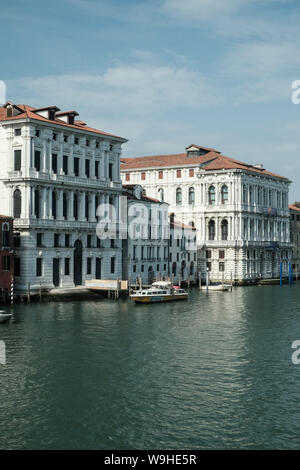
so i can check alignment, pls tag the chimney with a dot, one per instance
(67, 116)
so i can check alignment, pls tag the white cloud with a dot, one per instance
(201, 9)
(134, 89)
(147, 104)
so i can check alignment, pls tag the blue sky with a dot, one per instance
(165, 73)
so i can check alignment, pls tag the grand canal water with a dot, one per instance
(211, 373)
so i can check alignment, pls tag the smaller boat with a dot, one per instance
(217, 286)
(4, 316)
(160, 291)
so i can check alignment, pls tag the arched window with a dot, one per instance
(161, 195)
(192, 268)
(37, 203)
(17, 202)
(54, 204)
(211, 195)
(75, 207)
(224, 194)
(87, 207)
(178, 197)
(245, 194)
(174, 269)
(224, 229)
(191, 196)
(211, 230)
(251, 195)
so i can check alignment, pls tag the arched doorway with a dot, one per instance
(183, 265)
(78, 263)
(150, 275)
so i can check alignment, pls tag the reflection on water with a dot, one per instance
(212, 372)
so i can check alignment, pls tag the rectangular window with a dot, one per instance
(17, 240)
(17, 132)
(37, 160)
(222, 267)
(127, 177)
(112, 265)
(17, 267)
(39, 240)
(191, 172)
(89, 241)
(221, 254)
(56, 240)
(160, 175)
(17, 155)
(54, 136)
(97, 169)
(76, 141)
(5, 238)
(65, 138)
(208, 254)
(39, 265)
(67, 240)
(65, 164)
(110, 171)
(6, 263)
(67, 266)
(37, 133)
(76, 166)
(89, 265)
(208, 265)
(178, 173)
(54, 163)
(87, 168)
(143, 176)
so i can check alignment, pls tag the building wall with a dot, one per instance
(6, 255)
(47, 180)
(295, 238)
(256, 212)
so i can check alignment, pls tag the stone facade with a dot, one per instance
(6, 257)
(55, 172)
(146, 247)
(240, 211)
(295, 238)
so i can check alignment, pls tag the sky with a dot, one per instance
(165, 73)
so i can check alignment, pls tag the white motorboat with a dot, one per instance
(4, 316)
(160, 291)
(217, 286)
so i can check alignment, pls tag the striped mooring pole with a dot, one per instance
(12, 292)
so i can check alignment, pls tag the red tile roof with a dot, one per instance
(294, 208)
(181, 225)
(29, 112)
(213, 160)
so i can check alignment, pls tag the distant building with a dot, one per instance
(240, 210)
(146, 247)
(295, 238)
(55, 172)
(183, 251)
(6, 256)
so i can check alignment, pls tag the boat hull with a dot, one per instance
(5, 317)
(158, 298)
